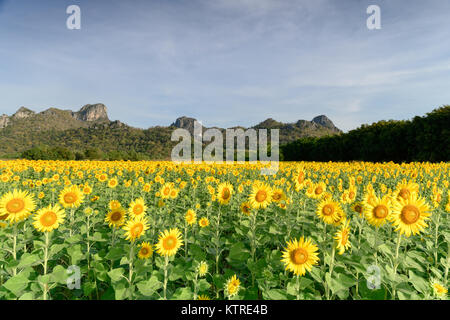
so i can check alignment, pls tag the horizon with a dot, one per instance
(227, 63)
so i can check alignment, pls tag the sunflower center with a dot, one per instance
(261, 195)
(15, 205)
(344, 237)
(380, 211)
(404, 193)
(138, 209)
(3, 217)
(48, 219)
(169, 243)
(144, 251)
(276, 196)
(358, 208)
(70, 197)
(299, 256)
(166, 191)
(136, 230)
(410, 214)
(226, 193)
(318, 190)
(328, 210)
(301, 177)
(351, 195)
(116, 216)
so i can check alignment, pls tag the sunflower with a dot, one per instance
(409, 214)
(116, 218)
(112, 183)
(378, 211)
(246, 208)
(16, 205)
(137, 208)
(342, 236)
(190, 217)
(146, 251)
(224, 192)
(261, 195)
(438, 289)
(278, 195)
(203, 297)
(49, 218)
(405, 189)
(71, 197)
(169, 242)
(165, 190)
(135, 228)
(299, 256)
(202, 268)
(203, 222)
(329, 211)
(232, 286)
(299, 179)
(358, 207)
(114, 204)
(317, 191)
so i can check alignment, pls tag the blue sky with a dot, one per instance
(227, 62)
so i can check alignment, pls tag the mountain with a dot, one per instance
(90, 128)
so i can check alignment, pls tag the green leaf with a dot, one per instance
(150, 286)
(75, 254)
(238, 252)
(27, 296)
(183, 294)
(203, 285)
(55, 248)
(59, 275)
(275, 294)
(177, 272)
(17, 284)
(419, 283)
(120, 289)
(116, 274)
(115, 253)
(27, 260)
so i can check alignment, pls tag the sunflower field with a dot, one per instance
(158, 230)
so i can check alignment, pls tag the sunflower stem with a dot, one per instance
(45, 263)
(131, 269)
(436, 237)
(396, 263)
(166, 264)
(298, 286)
(14, 254)
(333, 250)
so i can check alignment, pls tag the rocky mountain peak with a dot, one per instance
(324, 121)
(92, 112)
(23, 113)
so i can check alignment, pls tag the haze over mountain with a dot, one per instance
(90, 127)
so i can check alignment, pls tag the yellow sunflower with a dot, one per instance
(203, 297)
(224, 192)
(330, 211)
(116, 218)
(169, 242)
(299, 179)
(378, 211)
(278, 195)
(438, 289)
(232, 286)
(358, 207)
(137, 208)
(317, 191)
(341, 237)
(114, 204)
(203, 222)
(135, 228)
(165, 190)
(190, 217)
(261, 195)
(202, 268)
(406, 189)
(300, 256)
(409, 215)
(16, 205)
(246, 208)
(71, 197)
(49, 218)
(146, 251)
